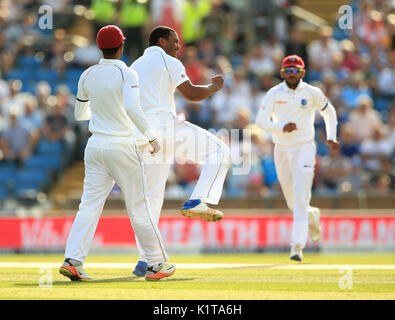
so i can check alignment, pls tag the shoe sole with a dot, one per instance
(159, 275)
(71, 273)
(315, 229)
(210, 217)
(295, 257)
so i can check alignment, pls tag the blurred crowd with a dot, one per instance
(243, 40)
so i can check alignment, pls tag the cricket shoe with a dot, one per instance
(296, 253)
(140, 269)
(198, 209)
(73, 270)
(314, 224)
(159, 271)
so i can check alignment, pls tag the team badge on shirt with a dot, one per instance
(303, 102)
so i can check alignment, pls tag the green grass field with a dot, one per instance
(263, 276)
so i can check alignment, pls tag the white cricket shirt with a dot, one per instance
(282, 105)
(108, 96)
(159, 76)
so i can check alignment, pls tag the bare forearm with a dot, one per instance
(201, 92)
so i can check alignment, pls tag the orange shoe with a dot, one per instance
(159, 271)
(73, 272)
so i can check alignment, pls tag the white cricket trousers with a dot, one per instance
(180, 141)
(295, 172)
(109, 160)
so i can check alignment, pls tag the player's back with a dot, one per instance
(103, 86)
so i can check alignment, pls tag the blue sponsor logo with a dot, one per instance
(303, 102)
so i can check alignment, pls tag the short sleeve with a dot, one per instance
(320, 100)
(267, 101)
(177, 72)
(82, 96)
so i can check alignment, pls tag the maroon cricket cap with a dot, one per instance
(109, 37)
(292, 61)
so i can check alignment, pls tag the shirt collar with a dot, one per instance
(116, 62)
(154, 48)
(301, 85)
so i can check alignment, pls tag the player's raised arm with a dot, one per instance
(200, 92)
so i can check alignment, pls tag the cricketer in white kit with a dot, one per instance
(160, 74)
(288, 112)
(108, 96)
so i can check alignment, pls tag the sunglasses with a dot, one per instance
(292, 70)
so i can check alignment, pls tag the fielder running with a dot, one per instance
(288, 112)
(108, 96)
(160, 74)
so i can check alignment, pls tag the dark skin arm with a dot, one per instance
(289, 127)
(198, 93)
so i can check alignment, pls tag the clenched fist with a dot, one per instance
(289, 127)
(217, 82)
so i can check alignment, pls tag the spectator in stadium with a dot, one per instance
(351, 60)
(386, 78)
(375, 150)
(56, 125)
(133, 18)
(57, 129)
(354, 89)
(32, 119)
(384, 180)
(15, 98)
(167, 13)
(350, 147)
(231, 98)
(43, 91)
(194, 11)
(194, 68)
(364, 116)
(260, 61)
(391, 131)
(322, 50)
(334, 170)
(220, 19)
(86, 53)
(297, 45)
(16, 141)
(372, 30)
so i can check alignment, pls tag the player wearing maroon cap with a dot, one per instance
(108, 95)
(288, 112)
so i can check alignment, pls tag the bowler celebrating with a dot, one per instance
(288, 112)
(160, 74)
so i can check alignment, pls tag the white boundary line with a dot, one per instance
(209, 266)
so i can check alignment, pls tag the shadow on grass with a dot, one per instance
(122, 279)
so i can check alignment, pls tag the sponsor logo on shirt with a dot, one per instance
(281, 101)
(136, 86)
(303, 103)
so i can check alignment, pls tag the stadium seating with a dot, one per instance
(44, 161)
(25, 75)
(48, 147)
(48, 75)
(30, 181)
(28, 62)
